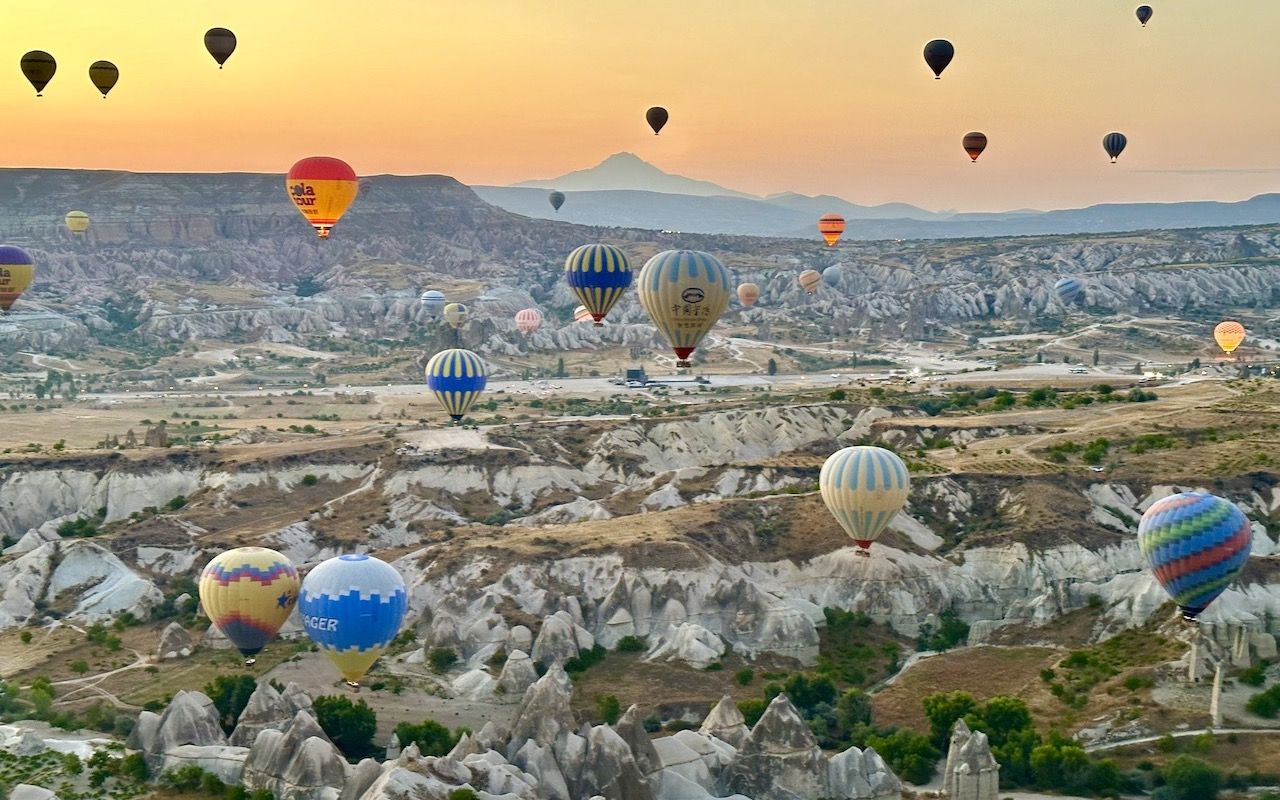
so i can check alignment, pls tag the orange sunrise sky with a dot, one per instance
(765, 95)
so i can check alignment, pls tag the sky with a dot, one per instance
(818, 97)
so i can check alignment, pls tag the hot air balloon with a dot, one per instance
(528, 320)
(1069, 289)
(1114, 144)
(433, 301)
(455, 314)
(17, 270)
(104, 75)
(76, 221)
(248, 593)
(1195, 544)
(1229, 335)
(39, 67)
(831, 226)
(1144, 14)
(831, 276)
(748, 294)
(581, 314)
(938, 54)
(809, 280)
(556, 199)
(974, 143)
(220, 43)
(656, 117)
(684, 293)
(364, 186)
(456, 378)
(598, 275)
(322, 188)
(352, 607)
(864, 488)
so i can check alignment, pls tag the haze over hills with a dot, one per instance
(625, 191)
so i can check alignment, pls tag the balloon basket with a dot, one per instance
(683, 364)
(599, 324)
(353, 685)
(249, 662)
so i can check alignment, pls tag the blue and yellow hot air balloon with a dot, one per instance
(1069, 289)
(455, 314)
(352, 607)
(456, 378)
(433, 301)
(684, 293)
(1196, 543)
(17, 271)
(864, 488)
(248, 593)
(598, 275)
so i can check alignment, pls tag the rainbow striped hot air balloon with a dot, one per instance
(864, 488)
(456, 378)
(17, 271)
(598, 275)
(248, 593)
(322, 188)
(352, 607)
(684, 293)
(1196, 544)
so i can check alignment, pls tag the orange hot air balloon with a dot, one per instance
(1229, 335)
(831, 226)
(323, 189)
(748, 294)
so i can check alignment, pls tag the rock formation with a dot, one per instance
(175, 642)
(298, 763)
(779, 760)
(266, 710)
(971, 772)
(725, 722)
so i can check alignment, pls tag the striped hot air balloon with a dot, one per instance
(1114, 144)
(810, 280)
(684, 292)
(17, 271)
(528, 320)
(1069, 289)
(455, 314)
(1229, 335)
(748, 294)
(322, 188)
(1196, 544)
(598, 275)
(864, 488)
(831, 226)
(76, 221)
(352, 607)
(974, 143)
(581, 314)
(456, 377)
(433, 301)
(248, 593)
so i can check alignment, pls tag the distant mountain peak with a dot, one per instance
(628, 171)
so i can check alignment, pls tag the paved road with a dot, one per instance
(1104, 746)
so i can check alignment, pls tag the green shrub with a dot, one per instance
(632, 644)
(441, 659)
(1265, 704)
(432, 738)
(609, 708)
(350, 725)
(744, 676)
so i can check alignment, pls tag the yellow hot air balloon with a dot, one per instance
(77, 221)
(248, 593)
(455, 314)
(684, 293)
(831, 226)
(810, 280)
(17, 271)
(864, 488)
(748, 294)
(323, 189)
(1229, 335)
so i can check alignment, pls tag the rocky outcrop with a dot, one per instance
(298, 763)
(560, 639)
(266, 710)
(971, 772)
(175, 642)
(690, 643)
(862, 775)
(25, 791)
(88, 577)
(779, 760)
(518, 674)
(544, 712)
(189, 719)
(610, 770)
(725, 722)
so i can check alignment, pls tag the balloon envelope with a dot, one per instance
(556, 199)
(322, 188)
(1114, 144)
(748, 294)
(1195, 543)
(938, 54)
(684, 292)
(104, 75)
(17, 271)
(864, 488)
(456, 377)
(1144, 14)
(831, 276)
(974, 143)
(1229, 335)
(220, 43)
(581, 314)
(433, 301)
(76, 221)
(831, 226)
(809, 280)
(599, 274)
(528, 320)
(1069, 289)
(38, 67)
(455, 314)
(656, 117)
(248, 593)
(352, 607)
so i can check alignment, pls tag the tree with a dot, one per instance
(853, 709)
(1000, 718)
(230, 694)
(1188, 778)
(350, 725)
(907, 753)
(441, 659)
(836, 395)
(772, 368)
(943, 709)
(560, 371)
(1096, 356)
(432, 738)
(609, 708)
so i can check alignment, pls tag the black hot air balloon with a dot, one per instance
(974, 143)
(656, 117)
(1144, 14)
(557, 199)
(1114, 144)
(104, 75)
(220, 43)
(938, 54)
(39, 67)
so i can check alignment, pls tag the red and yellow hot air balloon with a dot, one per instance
(1228, 335)
(17, 270)
(322, 188)
(748, 294)
(831, 226)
